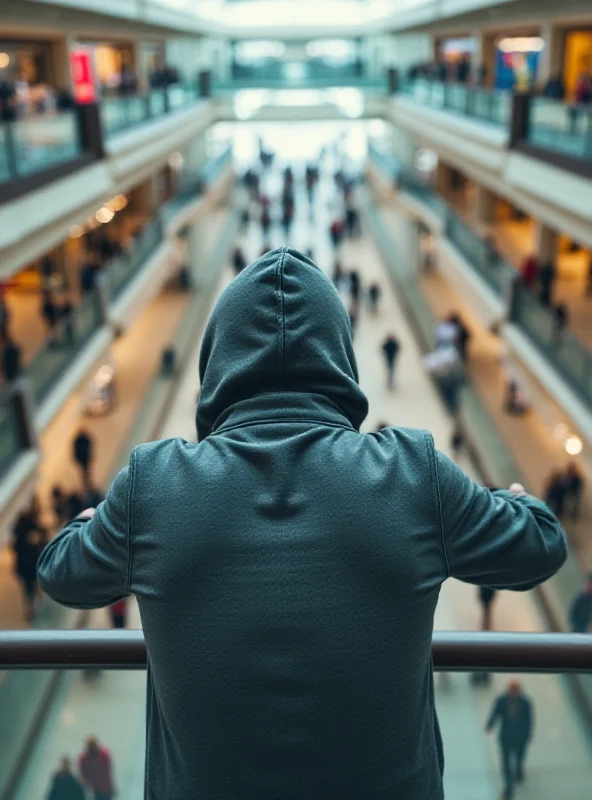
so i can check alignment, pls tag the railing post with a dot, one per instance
(91, 129)
(9, 143)
(520, 118)
(22, 399)
(103, 295)
(393, 80)
(205, 83)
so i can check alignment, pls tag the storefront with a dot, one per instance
(111, 62)
(577, 60)
(26, 69)
(517, 59)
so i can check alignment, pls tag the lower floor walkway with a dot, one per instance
(111, 706)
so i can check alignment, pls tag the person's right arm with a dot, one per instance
(495, 538)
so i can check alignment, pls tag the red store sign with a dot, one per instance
(83, 76)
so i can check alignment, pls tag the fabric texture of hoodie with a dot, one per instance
(287, 566)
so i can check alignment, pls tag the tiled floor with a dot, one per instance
(112, 707)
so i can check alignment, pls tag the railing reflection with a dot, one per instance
(36, 143)
(122, 113)
(565, 129)
(67, 340)
(489, 105)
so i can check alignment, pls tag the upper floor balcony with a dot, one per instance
(531, 149)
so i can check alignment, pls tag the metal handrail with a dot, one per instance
(451, 651)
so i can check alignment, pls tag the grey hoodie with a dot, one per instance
(287, 567)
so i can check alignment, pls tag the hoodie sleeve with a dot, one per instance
(87, 565)
(492, 538)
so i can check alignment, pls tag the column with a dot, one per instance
(60, 51)
(483, 60)
(443, 178)
(551, 59)
(145, 197)
(546, 243)
(486, 204)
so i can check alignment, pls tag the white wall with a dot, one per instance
(191, 55)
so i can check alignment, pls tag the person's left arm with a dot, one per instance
(87, 565)
(494, 715)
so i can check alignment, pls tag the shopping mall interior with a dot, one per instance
(439, 153)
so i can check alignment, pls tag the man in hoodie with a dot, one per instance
(287, 566)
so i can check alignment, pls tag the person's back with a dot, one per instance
(287, 567)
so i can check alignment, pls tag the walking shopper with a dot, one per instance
(580, 613)
(574, 486)
(547, 276)
(11, 360)
(373, 297)
(118, 614)
(555, 492)
(336, 232)
(83, 454)
(64, 785)
(27, 550)
(486, 598)
(96, 769)
(390, 350)
(239, 262)
(355, 288)
(302, 676)
(513, 714)
(457, 441)
(338, 273)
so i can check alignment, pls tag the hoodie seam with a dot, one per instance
(280, 310)
(291, 421)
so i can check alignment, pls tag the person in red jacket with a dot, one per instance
(529, 271)
(96, 770)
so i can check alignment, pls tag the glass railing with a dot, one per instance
(122, 113)
(489, 105)
(122, 269)
(567, 129)
(312, 73)
(11, 443)
(194, 184)
(110, 705)
(477, 250)
(37, 143)
(70, 337)
(561, 348)
(480, 254)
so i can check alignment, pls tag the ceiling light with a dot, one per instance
(104, 215)
(573, 445)
(76, 231)
(4, 60)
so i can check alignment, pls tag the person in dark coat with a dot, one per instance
(390, 351)
(83, 453)
(304, 557)
(64, 785)
(27, 550)
(239, 262)
(486, 598)
(547, 274)
(513, 714)
(374, 292)
(580, 612)
(574, 486)
(11, 360)
(555, 492)
(59, 502)
(354, 285)
(338, 273)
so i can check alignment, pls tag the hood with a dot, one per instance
(279, 327)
